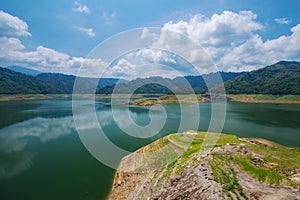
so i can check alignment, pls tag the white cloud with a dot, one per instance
(154, 56)
(146, 34)
(45, 59)
(226, 29)
(146, 63)
(254, 53)
(282, 20)
(80, 8)
(9, 45)
(233, 41)
(88, 31)
(122, 67)
(108, 17)
(12, 26)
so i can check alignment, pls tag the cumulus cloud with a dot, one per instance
(255, 53)
(226, 29)
(233, 41)
(149, 62)
(120, 68)
(45, 59)
(80, 8)
(88, 31)
(154, 56)
(9, 46)
(282, 20)
(231, 38)
(12, 26)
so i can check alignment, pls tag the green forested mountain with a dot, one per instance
(12, 82)
(281, 78)
(23, 70)
(140, 85)
(199, 83)
(178, 84)
(65, 82)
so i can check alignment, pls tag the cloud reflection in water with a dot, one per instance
(14, 139)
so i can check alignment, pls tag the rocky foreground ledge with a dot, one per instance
(184, 166)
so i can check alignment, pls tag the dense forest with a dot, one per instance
(180, 85)
(65, 83)
(281, 78)
(12, 82)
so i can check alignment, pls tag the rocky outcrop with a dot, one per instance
(220, 174)
(196, 182)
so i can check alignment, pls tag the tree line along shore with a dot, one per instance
(145, 100)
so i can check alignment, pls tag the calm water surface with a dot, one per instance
(42, 157)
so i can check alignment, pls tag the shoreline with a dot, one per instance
(169, 99)
(260, 98)
(264, 99)
(165, 99)
(21, 97)
(269, 102)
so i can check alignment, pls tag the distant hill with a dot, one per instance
(198, 82)
(12, 82)
(141, 85)
(281, 78)
(65, 83)
(24, 70)
(179, 84)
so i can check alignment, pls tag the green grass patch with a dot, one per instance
(266, 97)
(262, 174)
(156, 145)
(227, 139)
(169, 170)
(227, 179)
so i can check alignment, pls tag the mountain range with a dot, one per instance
(182, 85)
(12, 82)
(20, 80)
(24, 70)
(282, 78)
(279, 79)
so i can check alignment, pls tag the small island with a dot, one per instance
(189, 99)
(169, 99)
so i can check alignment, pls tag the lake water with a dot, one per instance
(42, 156)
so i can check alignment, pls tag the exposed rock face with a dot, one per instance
(194, 183)
(255, 189)
(218, 175)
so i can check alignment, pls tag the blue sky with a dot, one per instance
(71, 29)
